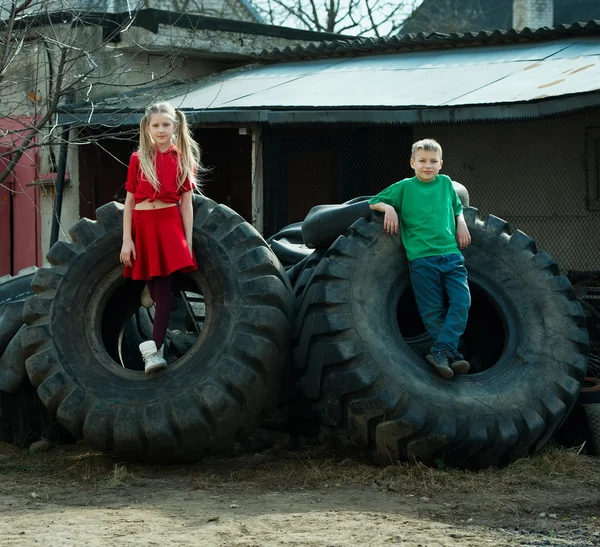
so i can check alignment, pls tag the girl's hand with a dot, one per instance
(390, 220)
(127, 252)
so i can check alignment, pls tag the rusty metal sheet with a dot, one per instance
(551, 78)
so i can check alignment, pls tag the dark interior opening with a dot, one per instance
(126, 323)
(483, 341)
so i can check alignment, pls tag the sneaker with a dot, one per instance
(439, 361)
(153, 359)
(458, 364)
(146, 299)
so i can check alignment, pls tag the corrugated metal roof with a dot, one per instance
(118, 6)
(438, 84)
(433, 40)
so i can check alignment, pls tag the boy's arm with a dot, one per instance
(390, 219)
(463, 236)
(389, 202)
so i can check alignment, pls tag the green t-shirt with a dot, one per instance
(427, 212)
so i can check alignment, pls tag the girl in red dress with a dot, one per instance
(157, 234)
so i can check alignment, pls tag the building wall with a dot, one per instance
(25, 84)
(70, 204)
(19, 204)
(230, 9)
(140, 59)
(227, 9)
(532, 174)
(533, 13)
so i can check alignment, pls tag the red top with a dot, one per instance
(166, 172)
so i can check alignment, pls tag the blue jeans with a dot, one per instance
(431, 277)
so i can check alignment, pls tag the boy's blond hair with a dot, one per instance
(426, 144)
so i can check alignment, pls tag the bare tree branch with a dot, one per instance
(47, 62)
(358, 17)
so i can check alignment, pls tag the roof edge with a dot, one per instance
(543, 108)
(151, 18)
(435, 40)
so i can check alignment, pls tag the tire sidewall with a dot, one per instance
(518, 290)
(81, 300)
(17, 287)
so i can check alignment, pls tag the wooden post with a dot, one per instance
(257, 179)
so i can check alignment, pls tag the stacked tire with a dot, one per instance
(337, 319)
(23, 418)
(359, 343)
(213, 394)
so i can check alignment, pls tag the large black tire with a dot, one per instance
(13, 292)
(291, 232)
(575, 430)
(11, 319)
(289, 254)
(16, 287)
(24, 419)
(305, 274)
(214, 393)
(12, 361)
(324, 223)
(525, 338)
(288, 246)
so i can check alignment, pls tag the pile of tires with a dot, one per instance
(23, 418)
(577, 428)
(324, 305)
(359, 343)
(213, 394)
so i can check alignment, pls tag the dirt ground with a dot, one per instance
(74, 496)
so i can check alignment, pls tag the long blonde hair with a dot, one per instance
(188, 156)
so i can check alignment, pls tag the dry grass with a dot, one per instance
(120, 476)
(292, 470)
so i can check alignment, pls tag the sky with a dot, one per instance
(380, 15)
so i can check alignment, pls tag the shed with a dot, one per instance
(518, 115)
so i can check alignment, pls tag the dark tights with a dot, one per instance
(160, 291)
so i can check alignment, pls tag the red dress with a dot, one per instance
(158, 234)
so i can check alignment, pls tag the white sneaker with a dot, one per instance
(145, 298)
(153, 358)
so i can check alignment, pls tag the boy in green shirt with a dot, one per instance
(433, 230)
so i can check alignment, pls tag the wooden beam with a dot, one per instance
(257, 179)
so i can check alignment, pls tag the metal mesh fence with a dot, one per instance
(533, 174)
(311, 165)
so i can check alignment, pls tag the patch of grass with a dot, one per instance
(293, 470)
(307, 469)
(120, 476)
(551, 466)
